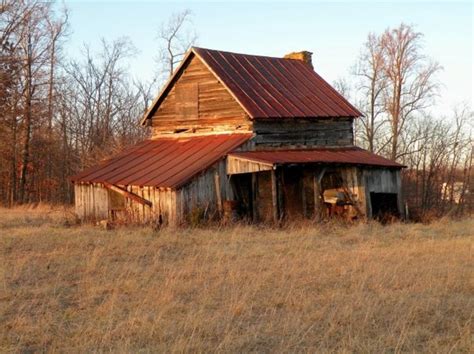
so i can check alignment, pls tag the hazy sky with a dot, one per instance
(333, 31)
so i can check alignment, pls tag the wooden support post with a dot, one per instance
(217, 183)
(317, 177)
(317, 203)
(254, 197)
(281, 206)
(276, 214)
(303, 197)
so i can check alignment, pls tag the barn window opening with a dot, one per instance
(384, 206)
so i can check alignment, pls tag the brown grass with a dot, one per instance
(365, 288)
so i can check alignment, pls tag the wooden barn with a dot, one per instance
(243, 136)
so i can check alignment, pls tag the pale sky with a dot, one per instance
(333, 31)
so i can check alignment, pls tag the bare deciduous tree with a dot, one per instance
(176, 36)
(104, 107)
(370, 85)
(410, 79)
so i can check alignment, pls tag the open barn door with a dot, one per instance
(384, 206)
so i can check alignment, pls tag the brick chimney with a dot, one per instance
(303, 55)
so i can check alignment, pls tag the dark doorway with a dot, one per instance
(242, 188)
(384, 206)
(292, 190)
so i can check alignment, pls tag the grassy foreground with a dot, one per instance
(365, 288)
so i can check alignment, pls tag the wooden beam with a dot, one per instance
(303, 196)
(276, 214)
(317, 177)
(317, 203)
(281, 205)
(254, 197)
(127, 194)
(217, 183)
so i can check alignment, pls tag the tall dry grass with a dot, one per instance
(365, 288)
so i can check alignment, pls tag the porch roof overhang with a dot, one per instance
(256, 161)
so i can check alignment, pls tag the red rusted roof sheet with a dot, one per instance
(164, 162)
(268, 87)
(349, 155)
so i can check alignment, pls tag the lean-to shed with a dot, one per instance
(266, 138)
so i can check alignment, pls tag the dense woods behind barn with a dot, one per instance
(61, 114)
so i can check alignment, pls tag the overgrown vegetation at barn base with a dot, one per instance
(365, 288)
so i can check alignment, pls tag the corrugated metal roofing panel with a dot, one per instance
(164, 162)
(349, 155)
(270, 87)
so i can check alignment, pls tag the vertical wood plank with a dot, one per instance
(317, 192)
(303, 197)
(217, 185)
(254, 197)
(276, 213)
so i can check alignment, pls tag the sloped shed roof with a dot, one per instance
(268, 87)
(172, 162)
(347, 155)
(165, 162)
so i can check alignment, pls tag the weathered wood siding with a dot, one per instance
(198, 102)
(163, 206)
(172, 207)
(95, 202)
(91, 201)
(263, 202)
(286, 133)
(201, 193)
(239, 165)
(382, 180)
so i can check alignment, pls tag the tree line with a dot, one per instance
(59, 115)
(395, 86)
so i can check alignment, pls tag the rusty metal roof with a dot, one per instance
(268, 87)
(348, 155)
(164, 162)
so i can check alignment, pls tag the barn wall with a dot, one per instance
(163, 206)
(200, 196)
(199, 102)
(263, 203)
(303, 132)
(173, 207)
(382, 180)
(95, 202)
(91, 201)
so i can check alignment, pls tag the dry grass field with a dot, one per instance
(331, 288)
